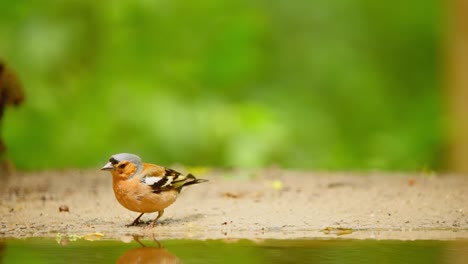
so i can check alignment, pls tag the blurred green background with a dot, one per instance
(332, 85)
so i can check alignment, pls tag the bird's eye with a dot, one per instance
(113, 161)
(121, 166)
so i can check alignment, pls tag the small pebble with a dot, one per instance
(63, 208)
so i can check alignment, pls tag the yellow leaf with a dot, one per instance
(93, 236)
(339, 231)
(277, 185)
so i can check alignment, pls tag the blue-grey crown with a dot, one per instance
(116, 158)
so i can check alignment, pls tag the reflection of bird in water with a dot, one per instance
(146, 254)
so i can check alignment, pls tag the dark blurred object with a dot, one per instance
(11, 93)
(2, 250)
(457, 84)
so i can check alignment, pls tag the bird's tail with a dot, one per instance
(190, 179)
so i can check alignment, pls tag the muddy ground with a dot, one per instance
(269, 204)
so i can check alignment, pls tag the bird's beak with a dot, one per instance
(108, 166)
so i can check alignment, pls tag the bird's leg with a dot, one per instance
(157, 242)
(160, 213)
(135, 222)
(137, 239)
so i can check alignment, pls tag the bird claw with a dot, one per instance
(135, 223)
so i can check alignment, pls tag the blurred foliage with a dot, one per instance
(340, 85)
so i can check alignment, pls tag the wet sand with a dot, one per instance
(267, 204)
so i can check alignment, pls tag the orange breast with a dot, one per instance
(138, 197)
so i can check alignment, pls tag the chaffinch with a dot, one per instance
(144, 187)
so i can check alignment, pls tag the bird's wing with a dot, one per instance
(161, 178)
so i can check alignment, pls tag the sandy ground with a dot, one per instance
(274, 204)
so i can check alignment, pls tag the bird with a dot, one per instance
(144, 187)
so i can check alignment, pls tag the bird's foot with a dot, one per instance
(134, 223)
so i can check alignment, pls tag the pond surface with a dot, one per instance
(78, 250)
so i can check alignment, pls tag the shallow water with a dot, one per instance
(78, 250)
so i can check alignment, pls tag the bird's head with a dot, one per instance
(124, 165)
